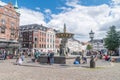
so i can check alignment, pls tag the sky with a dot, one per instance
(80, 16)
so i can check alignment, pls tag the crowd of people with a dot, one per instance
(82, 59)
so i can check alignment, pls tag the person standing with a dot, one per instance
(51, 58)
(4, 55)
(48, 57)
(36, 55)
(22, 56)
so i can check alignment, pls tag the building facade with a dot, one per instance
(50, 39)
(74, 45)
(98, 44)
(38, 37)
(9, 23)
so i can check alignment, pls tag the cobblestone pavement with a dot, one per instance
(35, 71)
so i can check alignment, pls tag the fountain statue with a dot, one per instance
(65, 36)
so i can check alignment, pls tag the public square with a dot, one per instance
(59, 40)
(34, 71)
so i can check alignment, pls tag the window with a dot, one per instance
(3, 29)
(44, 46)
(42, 39)
(3, 21)
(50, 40)
(12, 31)
(50, 46)
(30, 38)
(47, 40)
(40, 45)
(12, 25)
(35, 39)
(35, 45)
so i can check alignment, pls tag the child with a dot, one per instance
(19, 60)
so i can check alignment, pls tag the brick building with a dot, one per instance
(9, 23)
(38, 37)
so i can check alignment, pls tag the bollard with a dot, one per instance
(92, 62)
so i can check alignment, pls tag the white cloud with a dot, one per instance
(2, 3)
(81, 19)
(72, 3)
(116, 2)
(30, 17)
(37, 8)
(47, 11)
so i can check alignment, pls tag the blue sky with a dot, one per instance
(53, 4)
(80, 16)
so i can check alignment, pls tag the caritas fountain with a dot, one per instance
(62, 59)
(65, 36)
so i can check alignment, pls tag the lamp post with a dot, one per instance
(92, 62)
(91, 34)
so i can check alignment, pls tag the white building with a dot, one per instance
(98, 44)
(74, 45)
(50, 40)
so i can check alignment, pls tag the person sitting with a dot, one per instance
(107, 57)
(84, 60)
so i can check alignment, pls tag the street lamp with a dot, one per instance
(91, 34)
(92, 62)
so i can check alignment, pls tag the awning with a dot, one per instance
(3, 44)
(13, 45)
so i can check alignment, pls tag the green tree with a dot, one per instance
(89, 47)
(119, 37)
(112, 39)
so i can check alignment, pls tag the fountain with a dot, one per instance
(65, 36)
(62, 59)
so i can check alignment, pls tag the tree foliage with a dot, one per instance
(112, 39)
(119, 37)
(89, 47)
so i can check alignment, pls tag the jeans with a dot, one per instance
(51, 60)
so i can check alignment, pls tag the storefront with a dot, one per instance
(11, 47)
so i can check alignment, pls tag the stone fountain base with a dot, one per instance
(58, 59)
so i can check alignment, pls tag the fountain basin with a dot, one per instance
(58, 59)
